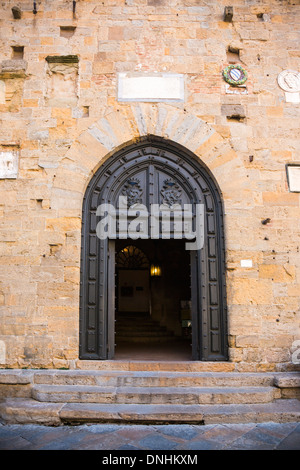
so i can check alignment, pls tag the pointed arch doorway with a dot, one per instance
(150, 173)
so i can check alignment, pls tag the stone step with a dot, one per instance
(155, 339)
(142, 331)
(142, 327)
(27, 410)
(24, 411)
(15, 383)
(147, 365)
(153, 395)
(151, 334)
(122, 378)
(137, 329)
(125, 323)
(289, 384)
(291, 380)
(138, 322)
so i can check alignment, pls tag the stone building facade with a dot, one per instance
(63, 115)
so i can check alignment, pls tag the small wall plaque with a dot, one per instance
(293, 176)
(236, 90)
(9, 162)
(289, 81)
(150, 88)
(246, 263)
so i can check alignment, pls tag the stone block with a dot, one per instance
(63, 224)
(247, 341)
(232, 110)
(115, 33)
(281, 199)
(13, 68)
(252, 292)
(277, 273)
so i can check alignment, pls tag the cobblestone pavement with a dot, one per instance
(250, 436)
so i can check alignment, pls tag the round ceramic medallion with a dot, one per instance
(235, 74)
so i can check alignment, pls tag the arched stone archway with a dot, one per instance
(151, 161)
(100, 139)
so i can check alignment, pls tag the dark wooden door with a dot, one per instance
(152, 172)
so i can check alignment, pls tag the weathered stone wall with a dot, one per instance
(61, 118)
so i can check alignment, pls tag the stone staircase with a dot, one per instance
(163, 394)
(139, 328)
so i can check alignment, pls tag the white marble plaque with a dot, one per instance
(236, 90)
(289, 80)
(2, 92)
(293, 172)
(292, 97)
(150, 87)
(2, 352)
(246, 263)
(9, 162)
